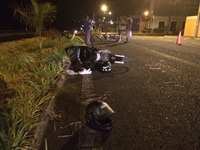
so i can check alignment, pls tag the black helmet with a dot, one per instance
(97, 115)
(104, 66)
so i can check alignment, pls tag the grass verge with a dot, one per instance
(26, 76)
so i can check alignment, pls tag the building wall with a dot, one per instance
(179, 20)
(190, 26)
(174, 7)
(178, 10)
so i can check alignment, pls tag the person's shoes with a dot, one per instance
(84, 71)
(127, 42)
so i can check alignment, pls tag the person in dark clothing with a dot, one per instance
(87, 28)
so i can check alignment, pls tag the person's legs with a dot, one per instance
(120, 35)
(87, 36)
(120, 38)
(128, 35)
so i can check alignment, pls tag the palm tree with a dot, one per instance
(36, 15)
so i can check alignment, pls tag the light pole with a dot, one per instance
(197, 23)
(146, 14)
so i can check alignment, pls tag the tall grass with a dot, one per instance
(29, 74)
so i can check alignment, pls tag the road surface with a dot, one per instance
(156, 97)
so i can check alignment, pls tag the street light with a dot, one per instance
(147, 17)
(146, 13)
(104, 9)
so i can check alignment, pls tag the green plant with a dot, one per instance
(36, 15)
(27, 77)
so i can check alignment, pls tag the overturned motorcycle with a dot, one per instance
(91, 58)
(107, 37)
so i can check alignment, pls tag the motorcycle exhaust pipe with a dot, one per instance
(119, 55)
(119, 62)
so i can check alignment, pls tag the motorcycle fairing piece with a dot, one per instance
(83, 55)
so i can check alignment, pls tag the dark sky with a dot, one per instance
(71, 12)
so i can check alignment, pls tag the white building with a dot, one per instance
(169, 15)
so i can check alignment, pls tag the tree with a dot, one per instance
(36, 15)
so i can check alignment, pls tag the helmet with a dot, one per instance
(104, 66)
(97, 115)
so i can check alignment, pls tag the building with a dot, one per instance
(191, 26)
(169, 16)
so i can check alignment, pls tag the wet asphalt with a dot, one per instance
(156, 98)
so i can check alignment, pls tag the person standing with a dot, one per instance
(99, 27)
(87, 28)
(120, 27)
(128, 28)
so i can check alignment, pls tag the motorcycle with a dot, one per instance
(94, 58)
(107, 37)
(69, 34)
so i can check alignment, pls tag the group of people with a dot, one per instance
(88, 27)
(128, 24)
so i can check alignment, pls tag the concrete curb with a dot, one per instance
(57, 87)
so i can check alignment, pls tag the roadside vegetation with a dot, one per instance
(28, 69)
(36, 15)
(26, 76)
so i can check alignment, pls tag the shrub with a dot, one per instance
(159, 30)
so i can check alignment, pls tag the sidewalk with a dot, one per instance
(147, 34)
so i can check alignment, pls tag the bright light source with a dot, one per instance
(146, 13)
(110, 12)
(75, 31)
(104, 8)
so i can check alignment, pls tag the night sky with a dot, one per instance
(70, 13)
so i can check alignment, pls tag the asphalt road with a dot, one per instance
(156, 98)
(6, 36)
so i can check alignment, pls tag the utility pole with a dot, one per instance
(197, 23)
(93, 10)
